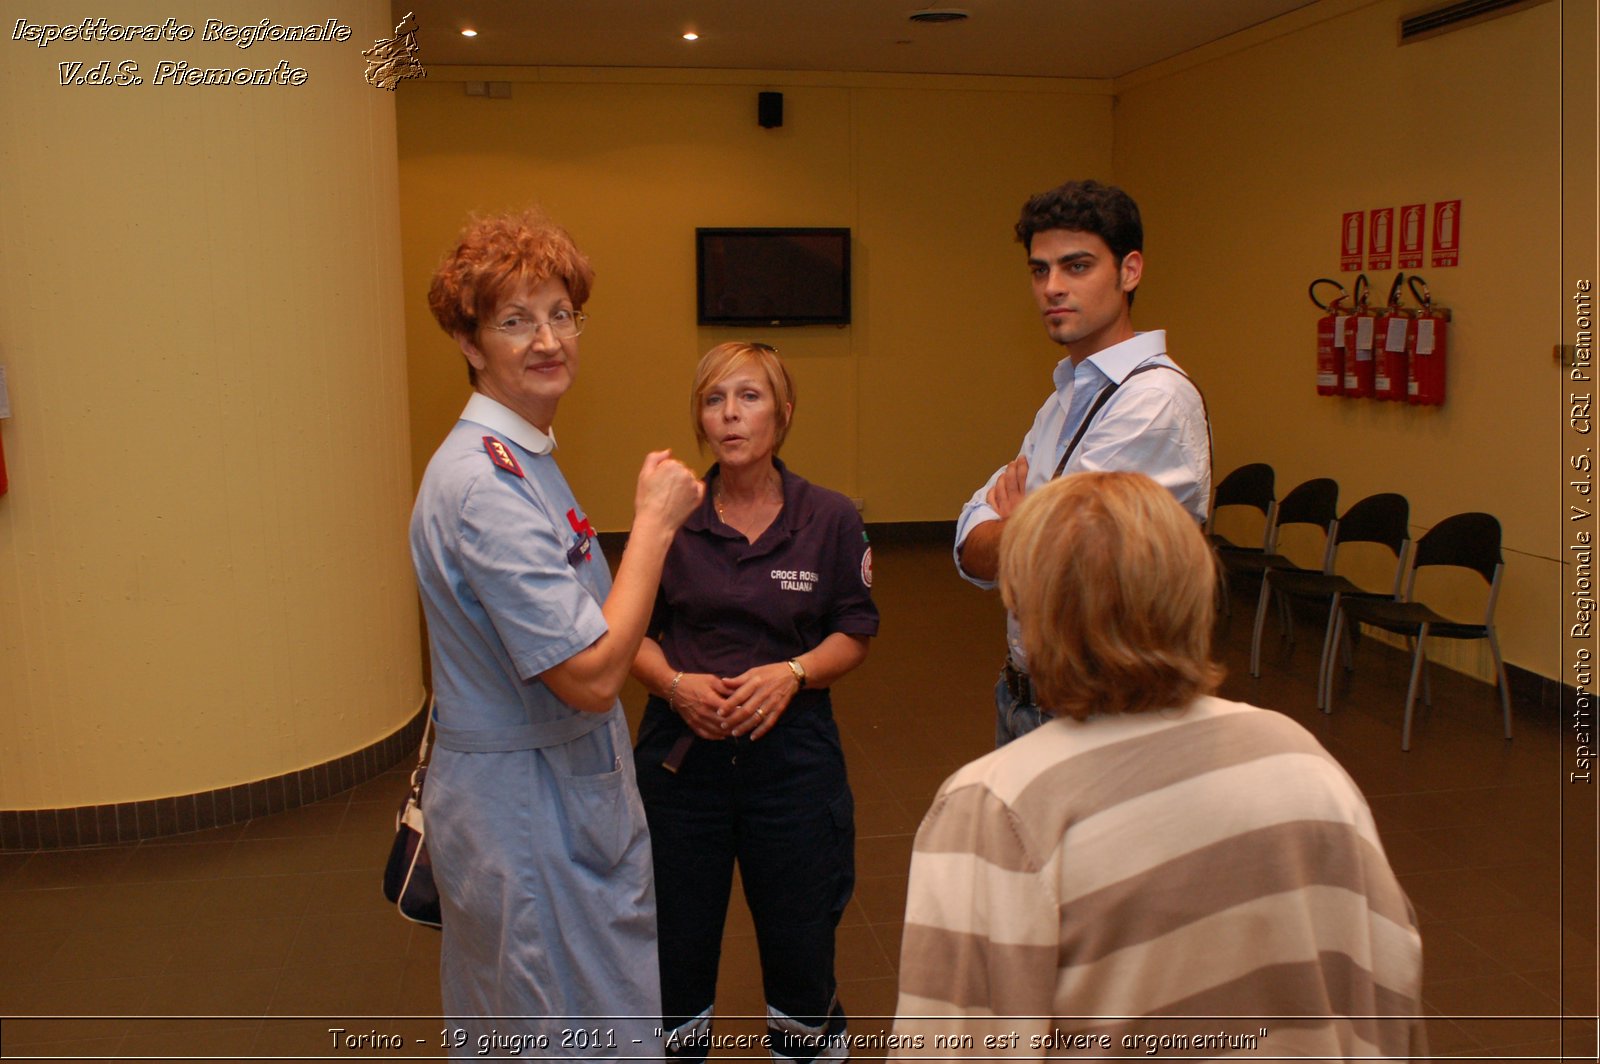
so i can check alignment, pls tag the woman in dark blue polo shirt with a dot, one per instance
(765, 601)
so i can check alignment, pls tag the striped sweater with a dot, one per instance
(1209, 875)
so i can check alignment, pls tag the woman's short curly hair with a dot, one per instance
(497, 255)
(1114, 588)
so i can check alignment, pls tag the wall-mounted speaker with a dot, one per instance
(769, 109)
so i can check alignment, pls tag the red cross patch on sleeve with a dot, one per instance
(502, 456)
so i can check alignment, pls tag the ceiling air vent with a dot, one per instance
(939, 14)
(1454, 16)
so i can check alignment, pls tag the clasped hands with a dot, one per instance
(750, 704)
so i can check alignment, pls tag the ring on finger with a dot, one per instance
(762, 713)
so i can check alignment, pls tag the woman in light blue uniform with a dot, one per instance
(535, 827)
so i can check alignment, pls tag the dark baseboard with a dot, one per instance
(912, 533)
(103, 825)
(1530, 690)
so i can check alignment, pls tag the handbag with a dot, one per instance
(408, 875)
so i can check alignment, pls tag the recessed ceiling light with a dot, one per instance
(469, 33)
(691, 36)
(939, 14)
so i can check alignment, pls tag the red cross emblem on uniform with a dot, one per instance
(502, 456)
(584, 534)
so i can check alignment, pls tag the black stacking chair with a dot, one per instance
(1250, 485)
(1316, 503)
(1469, 541)
(1381, 519)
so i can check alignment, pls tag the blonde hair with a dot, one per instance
(722, 361)
(1113, 586)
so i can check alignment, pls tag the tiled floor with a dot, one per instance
(276, 932)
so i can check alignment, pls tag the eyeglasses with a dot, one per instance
(564, 325)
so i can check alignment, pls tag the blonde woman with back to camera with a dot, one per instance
(1153, 852)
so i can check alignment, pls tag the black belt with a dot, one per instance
(1018, 685)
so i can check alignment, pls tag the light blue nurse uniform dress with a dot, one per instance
(535, 826)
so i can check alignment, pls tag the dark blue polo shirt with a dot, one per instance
(726, 605)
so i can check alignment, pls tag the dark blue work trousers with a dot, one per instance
(781, 808)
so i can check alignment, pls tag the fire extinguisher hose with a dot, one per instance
(1424, 297)
(1394, 290)
(1311, 291)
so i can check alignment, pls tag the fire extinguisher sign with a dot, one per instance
(1447, 233)
(1380, 238)
(1351, 233)
(1413, 224)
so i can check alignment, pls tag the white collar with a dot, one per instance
(1120, 359)
(481, 410)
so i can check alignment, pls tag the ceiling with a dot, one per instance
(1045, 38)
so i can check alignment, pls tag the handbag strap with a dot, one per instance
(427, 736)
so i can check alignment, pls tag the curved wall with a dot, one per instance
(204, 578)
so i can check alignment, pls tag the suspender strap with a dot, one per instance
(1104, 397)
(1083, 426)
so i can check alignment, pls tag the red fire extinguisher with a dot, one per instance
(1359, 335)
(1330, 338)
(1393, 341)
(1429, 349)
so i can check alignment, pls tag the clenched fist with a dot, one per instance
(667, 493)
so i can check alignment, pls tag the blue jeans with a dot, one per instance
(1013, 719)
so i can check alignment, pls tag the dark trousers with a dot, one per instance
(781, 809)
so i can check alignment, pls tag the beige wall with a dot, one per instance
(1237, 154)
(908, 408)
(203, 573)
(202, 565)
(1244, 157)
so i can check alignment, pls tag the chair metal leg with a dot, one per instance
(1427, 680)
(1502, 680)
(1261, 622)
(1286, 618)
(1325, 666)
(1411, 691)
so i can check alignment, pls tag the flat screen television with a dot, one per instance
(796, 276)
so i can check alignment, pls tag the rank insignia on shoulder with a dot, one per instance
(502, 456)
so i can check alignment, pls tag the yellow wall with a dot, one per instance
(203, 572)
(912, 405)
(1244, 156)
(202, 563)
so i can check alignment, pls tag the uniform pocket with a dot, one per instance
(598, 825)
(601, 810)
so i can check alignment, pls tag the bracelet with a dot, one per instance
(799, 671)
(672, 691)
